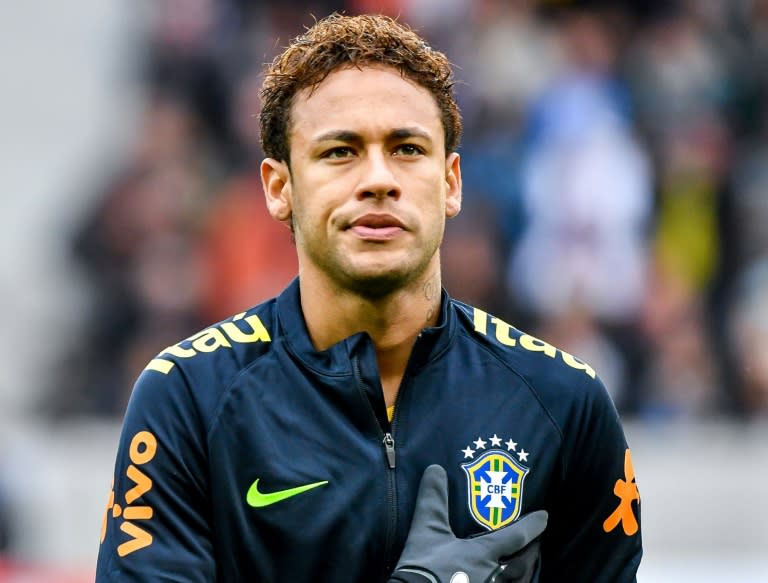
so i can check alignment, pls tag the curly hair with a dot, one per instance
(338, 41)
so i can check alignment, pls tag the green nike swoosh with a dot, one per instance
(258, 499)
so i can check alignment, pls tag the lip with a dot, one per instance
(377, 226)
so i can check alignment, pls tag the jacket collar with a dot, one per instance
(337, 359)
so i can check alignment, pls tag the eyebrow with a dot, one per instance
(350, 137)
(410, 132)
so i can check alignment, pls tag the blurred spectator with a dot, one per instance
(248, 256)
(681, 378)
(676, 74)
(614, 163)
(188, 46)
(5, 525)
(472, 264)
(140, 252)
(691, 166)
(750, 197)
(509, 56)
(586, 188)
(749, 334)
(6, 519)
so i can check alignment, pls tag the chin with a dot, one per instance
(380, 283)
(375, 277)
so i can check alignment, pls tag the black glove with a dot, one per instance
(433, 554)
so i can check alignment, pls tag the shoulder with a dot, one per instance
(562, 382)
(569, 391)
(195, 372)
(238, 339)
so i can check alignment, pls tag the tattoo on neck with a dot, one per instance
(432, 293)
(430, 289)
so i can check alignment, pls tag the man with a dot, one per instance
(288, 442)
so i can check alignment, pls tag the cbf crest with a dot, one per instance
(495, 481)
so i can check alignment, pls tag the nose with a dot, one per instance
(377, 179)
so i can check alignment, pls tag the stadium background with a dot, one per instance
(616, 186)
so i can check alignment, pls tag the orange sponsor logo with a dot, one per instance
(142, 450)
(627, 492)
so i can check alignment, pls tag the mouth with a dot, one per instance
(377, 227)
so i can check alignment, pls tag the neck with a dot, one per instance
(393, 321)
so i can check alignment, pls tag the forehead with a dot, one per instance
(366, 100)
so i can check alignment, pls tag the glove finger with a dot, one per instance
(431, 514)
(510, 539)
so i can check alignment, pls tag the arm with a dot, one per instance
(156, 525)
(594, 527)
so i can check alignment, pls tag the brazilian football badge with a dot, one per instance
(495, 481)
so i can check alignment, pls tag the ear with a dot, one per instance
(453, 181)
(276, 180)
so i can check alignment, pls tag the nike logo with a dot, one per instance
(259, 499)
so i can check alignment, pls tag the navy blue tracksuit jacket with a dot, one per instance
(247, 455)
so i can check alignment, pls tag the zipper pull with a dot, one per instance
(389, 445)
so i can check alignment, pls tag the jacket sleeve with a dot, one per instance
(594, 527)
(156, 525)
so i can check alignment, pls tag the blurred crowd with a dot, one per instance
(615, 162)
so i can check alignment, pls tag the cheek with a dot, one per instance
(435, 204)
(432, 219)
(310, 211)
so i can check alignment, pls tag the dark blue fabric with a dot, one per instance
(224, 413)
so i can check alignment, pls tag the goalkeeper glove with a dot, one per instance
(433, 554)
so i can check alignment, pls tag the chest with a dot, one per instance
(293, 429)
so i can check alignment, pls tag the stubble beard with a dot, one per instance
(369, 283)
(375, 284)
(383, 283)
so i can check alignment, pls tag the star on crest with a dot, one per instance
(479, 444)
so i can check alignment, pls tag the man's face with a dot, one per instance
(370, 185)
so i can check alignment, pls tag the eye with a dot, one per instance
(338, 153)
(408, 150)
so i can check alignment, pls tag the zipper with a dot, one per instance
(389, 560)
(388, 441)
(389, 447)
